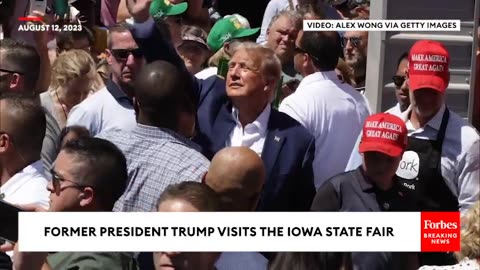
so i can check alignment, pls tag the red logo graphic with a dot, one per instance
(440, 231)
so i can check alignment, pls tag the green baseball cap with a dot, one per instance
(228, 28)
(162, 8)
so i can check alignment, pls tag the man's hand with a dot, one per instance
(139, 9)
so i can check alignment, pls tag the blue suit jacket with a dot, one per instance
(288, 149)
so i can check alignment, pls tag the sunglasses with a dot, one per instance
(123, 54)
(398, 80)
(57, 182)
(300, 50)
(355, 41)
(188, 46)
(11, 71)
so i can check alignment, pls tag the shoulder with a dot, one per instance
(181, 150)
(116, 136)
(89, 260)
(95, 100)
(287, 124)
(111, 133)
(341, 178)
(469, 136)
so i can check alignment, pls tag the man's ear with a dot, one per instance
(109, 55)
(4, 143)
(15, 81)
(87, 196)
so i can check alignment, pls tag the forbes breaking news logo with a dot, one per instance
(440, 231)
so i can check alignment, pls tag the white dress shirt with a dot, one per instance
(395, 110)
(101, 111)
(334, 113)
(252, 135)
(28, 186)
(207, 73)
(460, 157)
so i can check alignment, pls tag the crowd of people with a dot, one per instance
(184, 106)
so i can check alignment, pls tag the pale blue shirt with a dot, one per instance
(109, 108)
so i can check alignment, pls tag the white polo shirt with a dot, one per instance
(334, 113)
(109, 108)
(28, 186)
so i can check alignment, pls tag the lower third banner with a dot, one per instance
(228, 231)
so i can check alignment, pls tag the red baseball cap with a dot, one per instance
(385, 133)
(428, 66)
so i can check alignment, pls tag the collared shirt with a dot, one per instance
(395, 110)
(108, 108)
(252, 135)
(460, 157)
(28, 186)
(207, 73)
(351, 192)
(156, 158)
(334, 113)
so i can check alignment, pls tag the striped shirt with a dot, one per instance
(156, 158)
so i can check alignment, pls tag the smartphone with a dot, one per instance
(9, 221)
(39, 6)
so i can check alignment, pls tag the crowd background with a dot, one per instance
(216, 105)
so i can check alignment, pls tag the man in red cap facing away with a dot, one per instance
(373, 186)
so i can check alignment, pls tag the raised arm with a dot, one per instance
(154, 44)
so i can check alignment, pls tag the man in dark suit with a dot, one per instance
(240, 114)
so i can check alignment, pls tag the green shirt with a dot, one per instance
(91, 261)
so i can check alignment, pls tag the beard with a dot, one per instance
(358, 65)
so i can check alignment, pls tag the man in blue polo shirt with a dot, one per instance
(112, 106)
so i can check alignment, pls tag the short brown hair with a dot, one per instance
(270, 65)
(117, 28)
(197, 194)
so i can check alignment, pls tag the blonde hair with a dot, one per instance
(470, 234)
(270, 64)
(71, 65)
